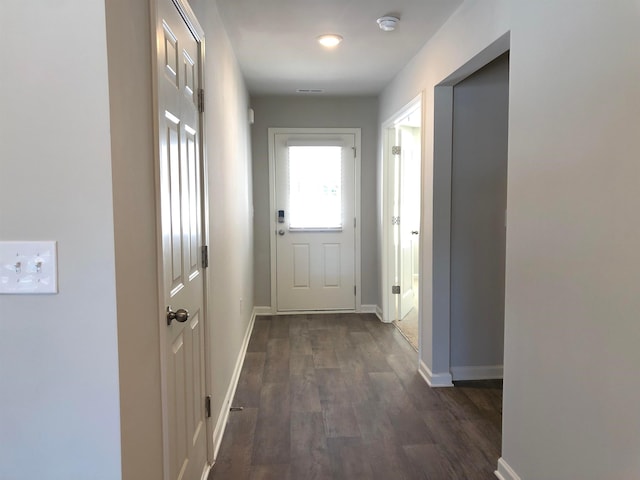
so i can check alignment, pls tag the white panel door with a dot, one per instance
(407, 214)
(180, 197)
(315, 221)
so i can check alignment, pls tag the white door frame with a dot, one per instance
(272, 209)
(389, 253)
(191, 21)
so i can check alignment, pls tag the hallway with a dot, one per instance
(338, 396)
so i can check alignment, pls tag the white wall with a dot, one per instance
(58, 353)
(571, 332)
(321, 112)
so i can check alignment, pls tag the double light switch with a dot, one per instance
(28, 268)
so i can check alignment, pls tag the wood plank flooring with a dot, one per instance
(338, 396)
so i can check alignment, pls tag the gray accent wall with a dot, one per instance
(478, 207)
(315, 112)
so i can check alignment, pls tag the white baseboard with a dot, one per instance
(375, 309)
(223, 415)
(434, 380)
(483, 372)
(504, 471)
(205, 472)
(367, 309)
(263, 310)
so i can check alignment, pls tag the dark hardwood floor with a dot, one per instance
(338, 396)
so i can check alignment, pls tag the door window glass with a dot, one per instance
(315, 187)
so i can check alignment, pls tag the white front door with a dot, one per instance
(315, 220)
(178, 54)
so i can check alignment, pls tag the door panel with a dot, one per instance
(315, 241)
(180, 211)
(409, 197)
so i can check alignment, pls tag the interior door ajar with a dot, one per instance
(405, 191)
(178, 56)
(409, 215)
(315, 221)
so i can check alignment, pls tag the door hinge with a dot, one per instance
(354, 152)
(205, 256)
(396, 150)
(395, 220)
(354, 290)
(201, 100)
(354, 222)
(207, 406)
(395, 290)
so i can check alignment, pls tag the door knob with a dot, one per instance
(181, 315)
(281, 232)
(414, 232)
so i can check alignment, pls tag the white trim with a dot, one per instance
(481, 372)
(357, 133)
(205, 471)
(190, 18)
(263, 311)
(223, 415)
(504, 471)
(434, 380)
(379, 313)
(310, 312)
(368, 309)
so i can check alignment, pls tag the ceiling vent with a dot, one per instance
(309, 90)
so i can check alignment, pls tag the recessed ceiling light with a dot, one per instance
(329, 40)
(388, 24)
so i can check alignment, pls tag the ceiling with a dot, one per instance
(275, 42)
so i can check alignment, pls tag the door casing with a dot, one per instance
(389, 253)
(272, 208)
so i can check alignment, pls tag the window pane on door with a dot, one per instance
(315, 187)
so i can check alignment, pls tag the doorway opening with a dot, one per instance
(469, 211)
(402, 168)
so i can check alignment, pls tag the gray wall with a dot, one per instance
(60, 415)
(320, 112)
(132, 161)
(83, 366)
(230, 224)
(478, 203)
(571, 386)
(571, 306)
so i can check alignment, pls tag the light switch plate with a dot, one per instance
(28, 268)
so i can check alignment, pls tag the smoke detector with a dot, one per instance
(388, 24)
